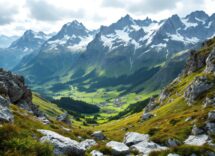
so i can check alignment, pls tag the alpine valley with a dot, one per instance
(135, 87)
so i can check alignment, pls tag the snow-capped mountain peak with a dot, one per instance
(73, 36)
(30, 41)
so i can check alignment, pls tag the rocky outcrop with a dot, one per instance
(195, 62)
(13, 88)
(151, 105)
(64, 145)
(164, 95)
(64, 118)
(196, 88)
(98, 135)
(132, 138)
(118, 148)
(210, 62)
(5, 113)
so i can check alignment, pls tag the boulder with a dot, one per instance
(196, 130)
(118, 148)
(87, 144)
(98, 135)
(132, 138)
(62, 145)
(210, 62)
(146, 116)
(198, 140)
(146, 147)
(164, 95)
(196, 88)
(64, 118)
(211, 116)
(96, 153)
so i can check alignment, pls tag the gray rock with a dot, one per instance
(87, 144)
(146, 116)
(209, 101)
(196, 88)
(98, 135)
(151, 105)
(210, 128)
(5, 113)
(196, 130)
(62, 145)
(172, 142)
(198, 140)
(164, 95)
(118, 148)
(96, 153)
(211, 116)
(147, 147)
(173, 154)
(64, 118)
(210, 62)
(132, 138)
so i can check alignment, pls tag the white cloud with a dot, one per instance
(49, 15)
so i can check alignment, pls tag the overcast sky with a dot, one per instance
(49, 15)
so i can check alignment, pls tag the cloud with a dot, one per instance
(113, 3)
(44, 11)
(7, 13)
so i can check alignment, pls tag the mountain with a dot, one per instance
(117, 54)
(58, 54)
(149, 127)
(5, 41)
(29, 42)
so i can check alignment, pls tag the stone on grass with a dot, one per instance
(118, 148)
(132, 138)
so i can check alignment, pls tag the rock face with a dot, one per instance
(194, 63)
(64, 118)
(146, 116)
(118, 148)
(210, 128)
(210, 62)
(5, 113)
(62, 145)
(196, 88)
(132, 138)
(98, 135)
